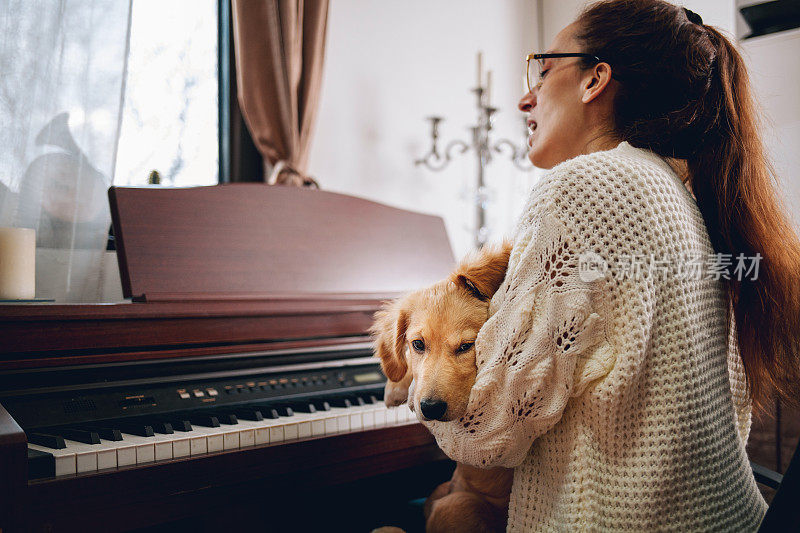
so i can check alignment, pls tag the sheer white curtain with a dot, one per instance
(63, 67)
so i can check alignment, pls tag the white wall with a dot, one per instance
(388, 65)
(774, 66)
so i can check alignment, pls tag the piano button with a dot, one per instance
(40, 464)
(204, 420)
(55, 442)
(80, 435)
(213, 436)
(64, 460)
(106, 433)
(249, 414)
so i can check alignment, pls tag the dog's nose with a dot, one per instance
(433, 409)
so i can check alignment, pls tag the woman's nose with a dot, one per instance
(528, 101)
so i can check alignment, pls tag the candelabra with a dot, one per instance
(481, 145)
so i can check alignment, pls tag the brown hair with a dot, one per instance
(685, 94)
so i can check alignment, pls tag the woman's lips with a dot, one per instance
(531, 130)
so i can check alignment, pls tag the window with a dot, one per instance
(170, 114)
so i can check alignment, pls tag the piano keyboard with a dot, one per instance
(58, 455)
(94, 428)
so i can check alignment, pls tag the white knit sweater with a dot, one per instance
(618, 398)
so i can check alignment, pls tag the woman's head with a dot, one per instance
(570, 111)
(671, 84)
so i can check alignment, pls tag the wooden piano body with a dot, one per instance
(253, 291)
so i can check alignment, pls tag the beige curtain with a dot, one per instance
(279, 46)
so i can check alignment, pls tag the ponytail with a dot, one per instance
(739, 198)
(686, 95)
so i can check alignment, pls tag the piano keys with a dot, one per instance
(130, 426)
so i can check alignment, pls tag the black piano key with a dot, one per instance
(357, 400)
(368, 398)
(48, 441)
(321, 405)
(79, 435)
(204, 420)
(40, 464)
(341, 402)
(137, 428)
(250, 414)
(105, 432)
(303, 407)
(268, 411)
(226, 418)
(161, 426)
(178, 423)
(284, 410)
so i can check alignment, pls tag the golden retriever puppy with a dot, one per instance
(425, 341)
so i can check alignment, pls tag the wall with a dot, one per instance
(389, 65)
(775, 72)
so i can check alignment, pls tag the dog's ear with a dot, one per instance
(389, 333)
(482, 272)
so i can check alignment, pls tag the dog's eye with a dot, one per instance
(465, 347)
(418, 345)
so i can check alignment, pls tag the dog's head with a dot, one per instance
(429, 335)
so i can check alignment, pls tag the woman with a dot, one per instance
(621, 393)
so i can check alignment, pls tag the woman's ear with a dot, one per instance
(389, 332)
(595, 82)
(482, 273)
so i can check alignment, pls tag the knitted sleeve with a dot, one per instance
(543, 344)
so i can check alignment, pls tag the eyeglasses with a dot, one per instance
(534, 75)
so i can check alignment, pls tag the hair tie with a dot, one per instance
(693, 17)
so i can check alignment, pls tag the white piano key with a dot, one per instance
(145, 447)
(180, 446)
(380, 415)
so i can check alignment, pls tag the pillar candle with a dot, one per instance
(480, 69)
(17, 264)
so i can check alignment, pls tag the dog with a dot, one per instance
(425, 342)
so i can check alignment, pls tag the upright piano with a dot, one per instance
(238, 384)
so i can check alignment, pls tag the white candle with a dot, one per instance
(489, 88)
(480, 69)
(17, 264)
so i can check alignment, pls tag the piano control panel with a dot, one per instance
(98, 404)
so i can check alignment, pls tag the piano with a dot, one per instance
(236, 387)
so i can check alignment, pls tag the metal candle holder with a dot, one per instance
(483, 148)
